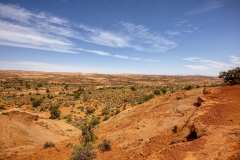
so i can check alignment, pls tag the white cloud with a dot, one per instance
(235, 60)
(207, 62)
(183, 26)
(14, 13)
(211, 67)
(142, 39)
(197, 67)
(209, 6)
(130, 35)
(102, 37)
(20, 27)
(172, 33)
(206, 66)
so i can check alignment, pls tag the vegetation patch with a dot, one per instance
(48, 145)
(231, 77)
(105, 145)
(55, 112)
(83, 152)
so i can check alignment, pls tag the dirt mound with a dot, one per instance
(171, 128)
(22, 131)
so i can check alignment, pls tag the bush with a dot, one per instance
(36, 102)
(157, 92)
(88, 135)
(50, 96)
(82, 152)
(55, 112)
(148, 97)
(48, 145)
(105, 145)
(231, 76)
(68, 118)
(89, 110)
(188, 87)
(106, 110)
(94, 121)
(133, 88)
(106, 117)
(163, 90)
(76, 95)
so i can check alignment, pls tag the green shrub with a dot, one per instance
(89, 110)
(68, 118)
(76, 95)
(82, 152)
(105, 145)
(88, 135)
(157, 92)
(148, 97)
(163, 90)
(94, 121)
(133, 88)
(39, 85)
(117, 111)
(231, 76)
(55, 112)
(50, 96)
(48, 145)
(106, 117)
(188, 87)
(36, 102)
(106, 110)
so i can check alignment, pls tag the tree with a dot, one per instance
(231, 76)
(55, 112)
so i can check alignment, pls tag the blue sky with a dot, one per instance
(128, 36)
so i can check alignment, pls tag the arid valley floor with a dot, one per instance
(144, 117)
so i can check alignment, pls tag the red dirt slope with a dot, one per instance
(170, 129)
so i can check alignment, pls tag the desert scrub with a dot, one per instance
(148, 97)
(156, 92)
(83, 152)
(76, 95)
(106, 117)
(133, 88)
(54, 112)
(188, 87)
(68, 118)
(48, 145)
(36, 102)
(87, 128)
(105, 145)
(94, 120)
(106, 110)
(163, 90)
(89, 110)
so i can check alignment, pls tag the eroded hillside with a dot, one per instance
(183, 125)
(175, 127)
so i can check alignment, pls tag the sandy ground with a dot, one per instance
(167, 127)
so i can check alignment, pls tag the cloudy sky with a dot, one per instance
(129, 36)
